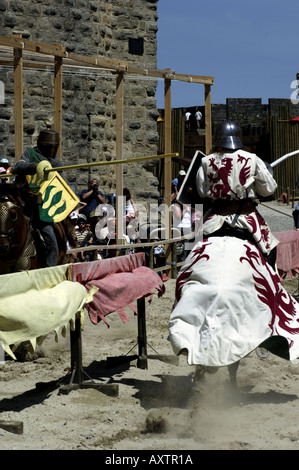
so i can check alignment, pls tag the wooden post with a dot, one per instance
(174, 269)
(18, 100)
(167, 163)
(151, 257)
(208, 119)
(58, 99)
(76, 352)
(119, 156)
(142, 345)
(167, 143)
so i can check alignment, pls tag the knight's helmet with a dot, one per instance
(48, 142)
(228, 136)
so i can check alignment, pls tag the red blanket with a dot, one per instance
(288, 252)
(120, 281)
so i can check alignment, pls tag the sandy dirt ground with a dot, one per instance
(158, 408)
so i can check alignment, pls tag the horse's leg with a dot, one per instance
(199, 373)
(232, 370)
(64, 232)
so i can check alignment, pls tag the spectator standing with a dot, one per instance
(176, 184)
(198, 117)
(130, 208)
(295, 214)
(187, 119)
(92, 197)
(84, 237)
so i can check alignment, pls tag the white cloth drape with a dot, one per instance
(36, 303)
(228, 301)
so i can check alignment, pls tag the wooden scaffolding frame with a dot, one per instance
(18, 53)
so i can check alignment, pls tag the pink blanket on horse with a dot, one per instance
(120, 281)
(287, 252)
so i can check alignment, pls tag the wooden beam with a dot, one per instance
(18, 102)
(58, 50)
(101, 62)
(41, 55)
(194, 79)
(58, 99)
(26, 64)
(18, 42)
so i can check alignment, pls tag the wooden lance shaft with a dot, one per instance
(114, 162)
(87, 165)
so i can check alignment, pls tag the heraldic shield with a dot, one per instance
(56, 199)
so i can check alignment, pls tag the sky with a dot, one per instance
(251, 48)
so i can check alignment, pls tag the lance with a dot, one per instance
(92, 164)
(270, 167)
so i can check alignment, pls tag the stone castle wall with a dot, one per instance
(117, 29)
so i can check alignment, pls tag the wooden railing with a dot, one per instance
(170, 267)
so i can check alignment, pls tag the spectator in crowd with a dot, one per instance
(92, 197)
(198, 117)
(187, 120)
(84, 237)
(295, 214)
(74, 215)
(176, 184)
(5, 164)
(130, 208)
(3, 172)
(5, 168)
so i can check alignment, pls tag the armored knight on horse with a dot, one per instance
(229, 298)
(29, 236)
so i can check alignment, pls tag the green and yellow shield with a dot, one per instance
(56, 199)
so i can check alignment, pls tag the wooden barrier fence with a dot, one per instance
(171, 266)
(284, 138)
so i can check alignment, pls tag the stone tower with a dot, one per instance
(116, 29)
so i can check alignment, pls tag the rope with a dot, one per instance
(276, 210)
